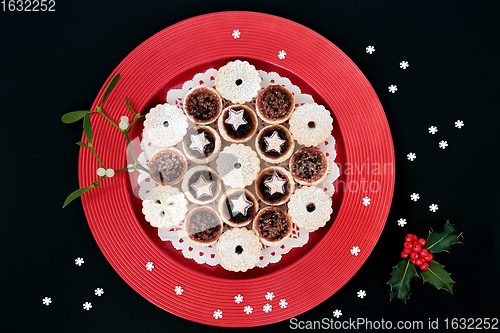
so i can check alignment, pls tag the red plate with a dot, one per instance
(305, 276)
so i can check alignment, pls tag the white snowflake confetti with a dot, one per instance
(79, 261)
(99, 292)
(337, 313)
(415, 196)
(238, 299)
(283, 303)
(459, 124)
(150, 266)
(217, 314)
(87, 306)
(47, 301)
(433, 130)
(404, 64)
(236, 34)
(270, 296)
(393, 88)
(281, 54)
(370, 49)
(366, 201)
(443, 144)
(361, 294)
(178, 290)
(266, 308)
(433, 208)
(355, 250)
(248, 309)
(411, 156)
(402, 222)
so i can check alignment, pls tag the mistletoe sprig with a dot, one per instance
(124, 126)
(421, 253)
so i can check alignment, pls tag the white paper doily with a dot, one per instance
(142, 183)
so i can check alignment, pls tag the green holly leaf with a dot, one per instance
(401, 277)
(438, 276)
(443, 240)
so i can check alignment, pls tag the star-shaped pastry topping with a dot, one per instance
(202, 187)
(236, 118)
(274, 142)
(198, 142)
(276, 184)
(241, 205)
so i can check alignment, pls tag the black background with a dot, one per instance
(53, 63)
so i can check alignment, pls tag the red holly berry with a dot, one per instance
(424, 266)
(409, 238)
(416, 247)
(407, 251)
(413, 261)
(415, 238)
(404, 255)
(408, 245)
(424, 252)
(429, 257)
(414, 255)
(421, 241)
(419, 262)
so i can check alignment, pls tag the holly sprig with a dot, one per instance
(431, 271)
(123, 126)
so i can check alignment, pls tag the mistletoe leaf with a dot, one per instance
(87, 128)
(401, 277)
(110, 87)
(437, 276)
(82, 144)
(75, 195)
(444, 239)
(71, 117)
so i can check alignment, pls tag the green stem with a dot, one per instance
(112, 122)
(138, 165)
(95, 154)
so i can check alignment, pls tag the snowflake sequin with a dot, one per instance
(402, 222)
(443, 144)
(433, 208)
(150, 266)
(459, 124)
(366, 201)
(393, 88)
(415, 196)
(270, 296)
(355, 250)
(236, 34)
(361, 294)
(47, 301)
(87, 306)
(281, 54)
(370, 49)
(79, 261)
(99, 292)
(283, 303)
(178, 290)
(411, 156)
(433, 130)
(404, 64)
(267, 308)
(248, 309)
(238, 299)
(217, 314)
(337, 313)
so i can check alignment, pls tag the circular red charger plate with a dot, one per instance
(305, 276)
